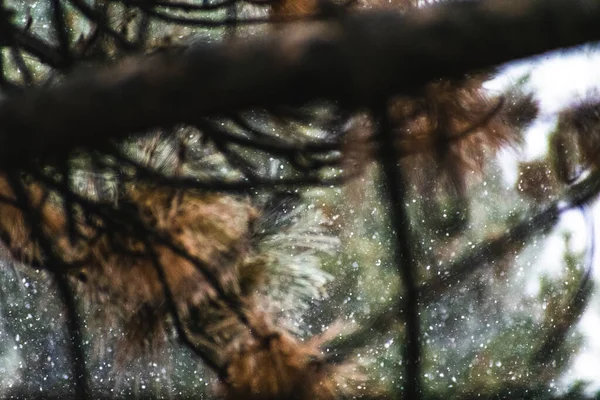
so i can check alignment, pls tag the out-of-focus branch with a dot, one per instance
(491, 250)
(405, 262)
(468, 264)
(354, 59)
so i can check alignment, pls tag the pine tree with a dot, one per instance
(323, 251)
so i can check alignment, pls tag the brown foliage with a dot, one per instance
(577, 139)
(280, 366)
(444, 136)
(208, 269)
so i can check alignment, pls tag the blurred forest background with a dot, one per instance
(446, 231)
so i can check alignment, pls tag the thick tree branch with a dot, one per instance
(354, 60)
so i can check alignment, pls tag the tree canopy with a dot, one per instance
(287, 199)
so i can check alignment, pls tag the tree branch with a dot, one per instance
(405, 262)
(355, 59)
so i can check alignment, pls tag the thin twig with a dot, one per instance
(145, 173)
(46, 53)
(62, 32)
(102, 23)
(211, 361)
(22, 66)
